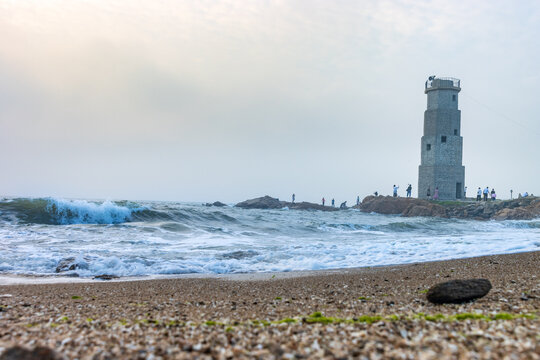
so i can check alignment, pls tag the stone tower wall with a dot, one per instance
(442, 144)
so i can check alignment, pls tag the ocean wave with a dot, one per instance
(51, 211)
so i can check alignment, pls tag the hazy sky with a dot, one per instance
(228, 100)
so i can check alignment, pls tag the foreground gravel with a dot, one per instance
(371, 313)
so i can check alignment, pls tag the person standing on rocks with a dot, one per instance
(429, 193)
(436, 194)
(486, 192)
(395, 190)
(409, 190)
(323, 201)
(493, 195)
(333, 203)
(358, 200)
(465, 193)
(479, 194)
(293, 198)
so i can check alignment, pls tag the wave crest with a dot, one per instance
(53, 211)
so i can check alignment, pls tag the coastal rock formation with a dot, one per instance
(401, 206)
(268, 202)
(38, 353)
(309, 206)
(458, 291)
(517, 209)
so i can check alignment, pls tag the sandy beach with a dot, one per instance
(372, 313)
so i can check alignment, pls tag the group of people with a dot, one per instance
(486, 193)
(395, 189)
(343, 205)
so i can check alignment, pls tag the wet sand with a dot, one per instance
(378, 312)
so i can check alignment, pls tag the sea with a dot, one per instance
(145, 238)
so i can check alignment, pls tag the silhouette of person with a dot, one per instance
(436, 194)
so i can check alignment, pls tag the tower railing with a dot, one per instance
(455, 82)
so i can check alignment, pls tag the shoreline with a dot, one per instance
(15, 279)
(376, 312)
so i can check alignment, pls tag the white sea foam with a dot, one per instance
(86, 212)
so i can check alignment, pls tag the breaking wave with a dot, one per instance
(51, 211)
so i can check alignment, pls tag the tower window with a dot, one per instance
(443, 139)
(455, 131)
(453, 97)
(428, 147)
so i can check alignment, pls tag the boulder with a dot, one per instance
(71, 263)
(216, 203)
(513, 214)
(385, 204)
(424, 210)
(458, 291)
(38, 353)
(265, 202)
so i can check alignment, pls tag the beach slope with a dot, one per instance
(378, 312)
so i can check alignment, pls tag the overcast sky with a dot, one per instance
(229, 100)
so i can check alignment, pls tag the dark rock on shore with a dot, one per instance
(38, 353)
(106, 277)
(69, 264)
(517, 209)
(268, 202)
(458, 291)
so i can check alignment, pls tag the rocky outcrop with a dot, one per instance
(517, 209)
(458, 291)
(401, 206)
(268, 202)
(309, 206)
(265, 202)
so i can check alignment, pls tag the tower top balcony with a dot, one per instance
(442, 83)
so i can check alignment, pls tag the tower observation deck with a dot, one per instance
(442, 144)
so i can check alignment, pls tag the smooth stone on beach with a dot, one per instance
(106, 277)
(458, 291)
(38, 353)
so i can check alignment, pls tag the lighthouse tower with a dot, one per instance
(442, 145)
